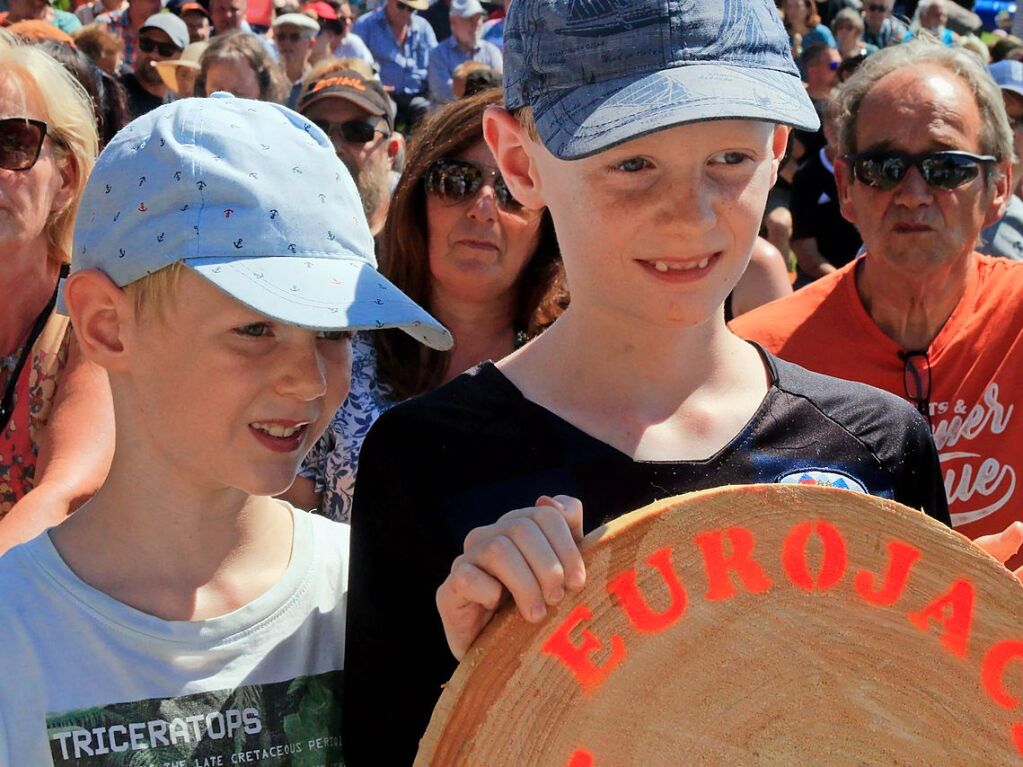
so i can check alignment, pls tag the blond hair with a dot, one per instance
(150, 294)
(71, 124)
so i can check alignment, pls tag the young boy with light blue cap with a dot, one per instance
(221, 262)
(652, 131)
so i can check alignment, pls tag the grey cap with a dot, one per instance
(176, 28)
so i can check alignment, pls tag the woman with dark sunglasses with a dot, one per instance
(56, 424)
(460, 244)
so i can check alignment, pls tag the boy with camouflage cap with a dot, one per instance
(652, 130)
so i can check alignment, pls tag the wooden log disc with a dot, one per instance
(763, 624)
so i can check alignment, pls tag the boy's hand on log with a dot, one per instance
(1004, 545)
(531, 554)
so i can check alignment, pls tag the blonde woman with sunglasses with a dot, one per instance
(56, 424)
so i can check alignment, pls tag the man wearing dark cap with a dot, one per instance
(197, 19)
(162, 38)
(359, 119)
(401, 42)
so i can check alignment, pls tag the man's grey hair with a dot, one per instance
(995, 133)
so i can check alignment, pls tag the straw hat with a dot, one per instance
(189, 58)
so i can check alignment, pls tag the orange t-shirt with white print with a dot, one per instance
(976, 363)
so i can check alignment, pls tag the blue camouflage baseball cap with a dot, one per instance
(252, 197)
(597, 73)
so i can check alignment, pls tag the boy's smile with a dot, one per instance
(259, 392)
(692, 196)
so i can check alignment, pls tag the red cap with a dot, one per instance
(322, 9)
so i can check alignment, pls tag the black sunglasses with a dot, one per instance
(21, 140)
(148, 45)
(352, 131)
(941, 170)
(457, 180)
(916, 378)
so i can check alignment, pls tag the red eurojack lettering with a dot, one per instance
(740, 559)
(794, 556)
(953, 611)
(992, 675)
(581, 758)
(901, 558)
(626, 588)
(577, 656)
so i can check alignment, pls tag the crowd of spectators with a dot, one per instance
(920, 142)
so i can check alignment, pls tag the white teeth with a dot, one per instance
(664, 266)
(275, 430)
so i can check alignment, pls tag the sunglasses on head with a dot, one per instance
(352, 131)
(148, 45)
(21, 140)
(941, 170)
(454, 181)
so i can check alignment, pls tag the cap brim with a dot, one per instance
(168, 72)
(322, 294)
(362, 103)
(592, 118)
(419, 5)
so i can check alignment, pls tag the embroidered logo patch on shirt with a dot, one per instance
(822, 479)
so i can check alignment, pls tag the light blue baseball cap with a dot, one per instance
(597, 73)
(1008, 75)
(252, 197)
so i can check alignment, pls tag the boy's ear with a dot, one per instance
(100, 314)
(508, 142)
(779, 144)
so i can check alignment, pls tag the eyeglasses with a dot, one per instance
(834, 65)
(941, 170)
(166, 50)
(352, 131)
(406, 8)
(454, 181)
(916, 378)
(21, 140)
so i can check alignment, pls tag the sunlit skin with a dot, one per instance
(477, 250)
(914, 228)
(233, 76)
(198, 26)
(193, 382)
(681, 208)
(266, 371)
(27, 199)
(227, 15)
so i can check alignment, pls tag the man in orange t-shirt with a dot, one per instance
(921, 315)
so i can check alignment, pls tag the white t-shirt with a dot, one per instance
(88, 680)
